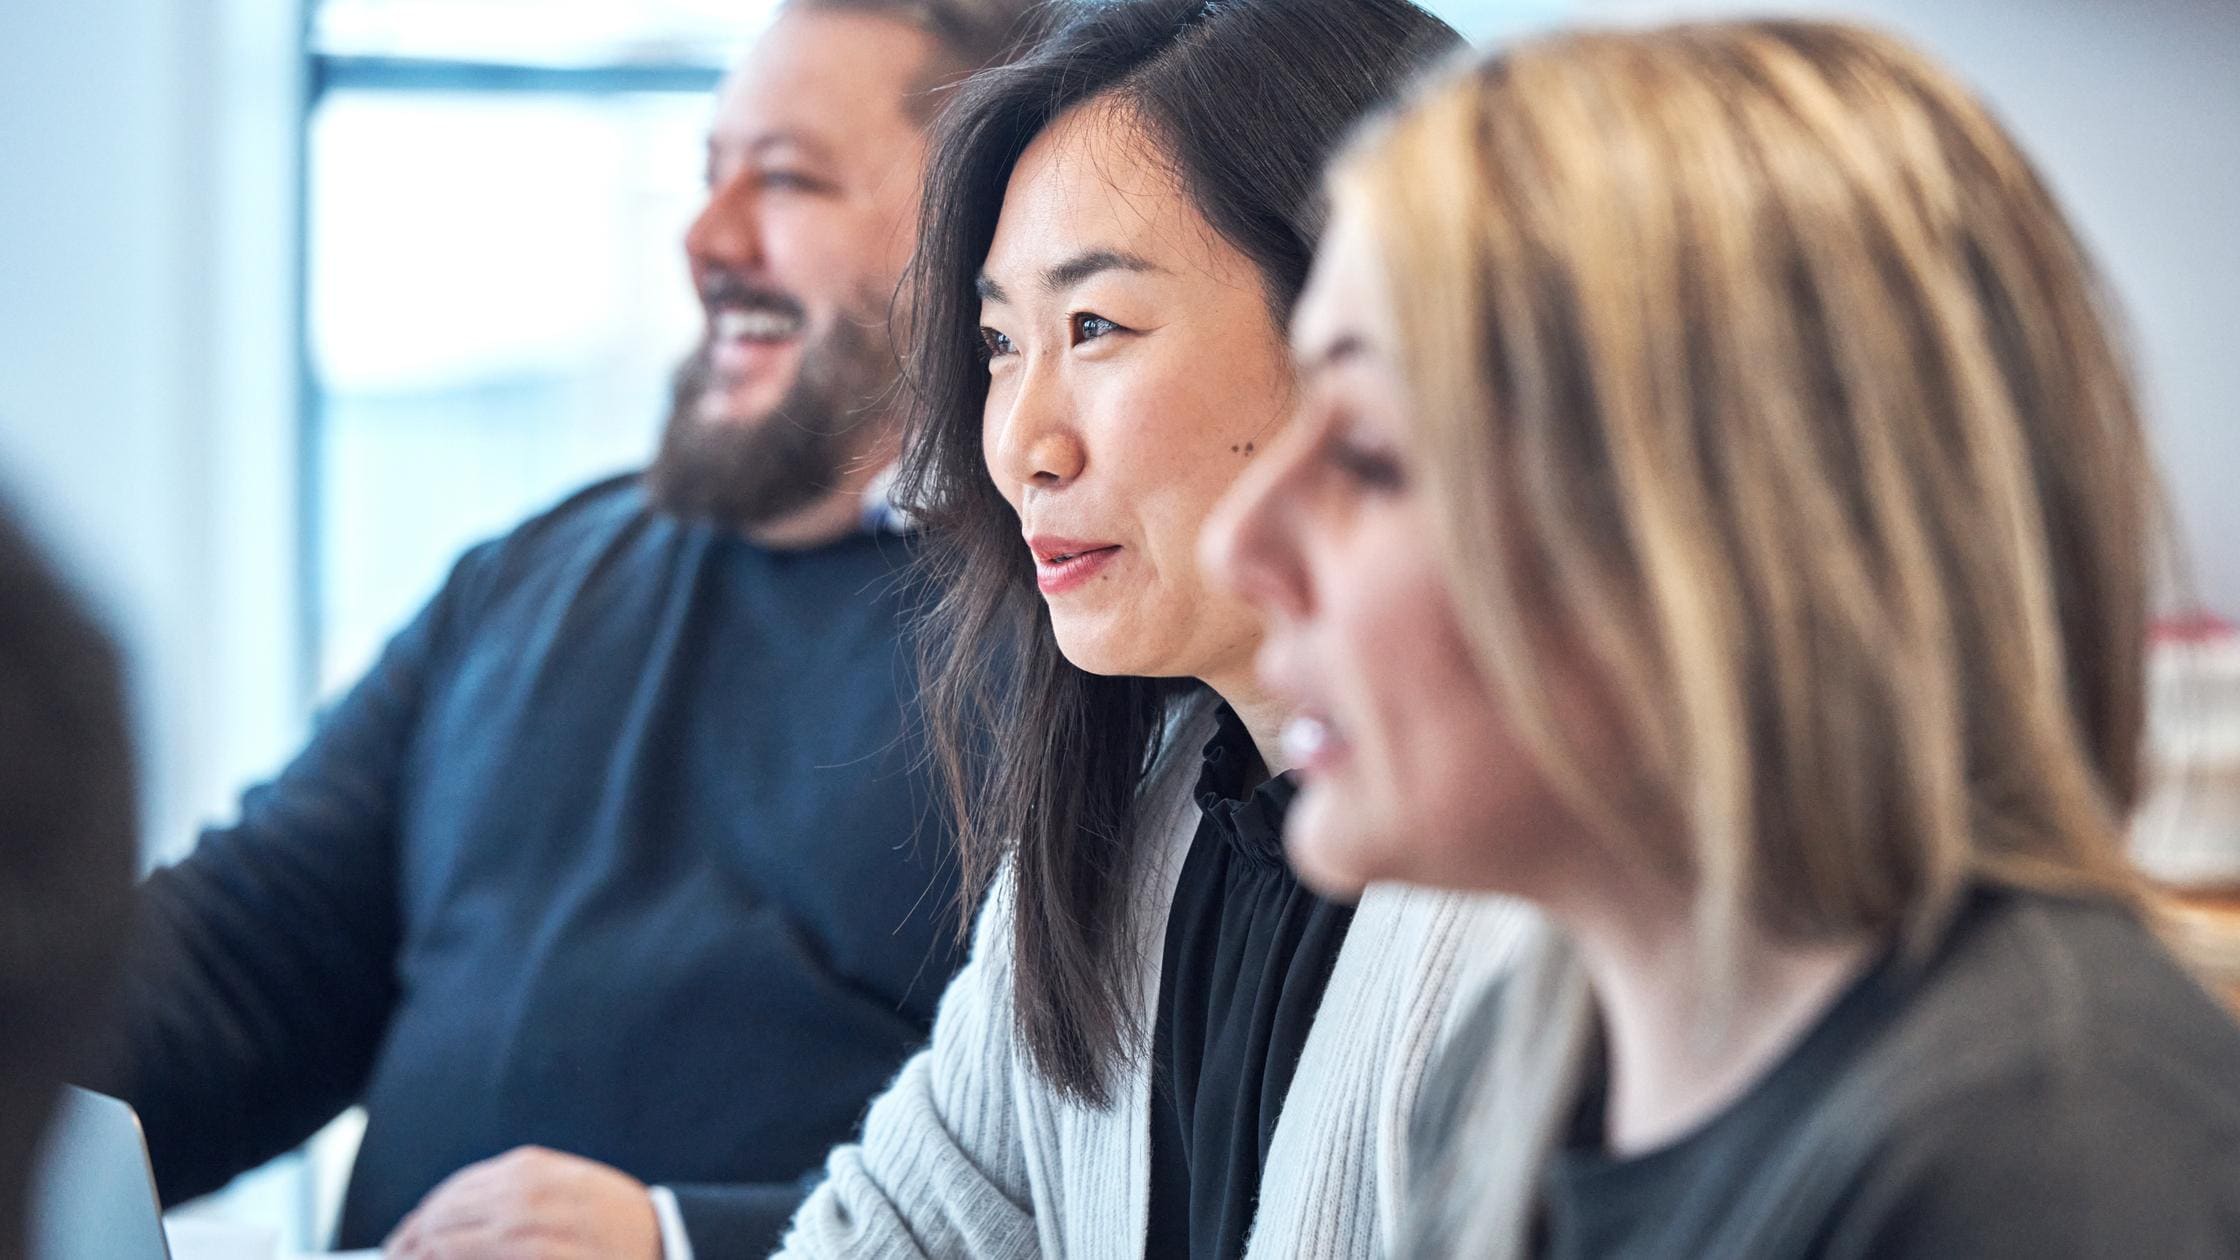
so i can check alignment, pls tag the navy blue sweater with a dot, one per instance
(624, 848)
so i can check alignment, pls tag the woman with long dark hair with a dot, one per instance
(1164, 1045)
(1721, 516)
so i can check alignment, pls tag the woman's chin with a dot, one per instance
(1329, 854)
(1093, 651)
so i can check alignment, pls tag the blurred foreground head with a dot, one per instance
(1716, 470)
(1717, 477)
(67, 821)
(1760, 387)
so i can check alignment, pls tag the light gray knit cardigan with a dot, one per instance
(970, 1153)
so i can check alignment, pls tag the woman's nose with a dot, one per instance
(1032, 441)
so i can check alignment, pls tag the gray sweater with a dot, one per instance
(2048, 1086)
(970, 1153)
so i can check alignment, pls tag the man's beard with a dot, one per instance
(744, 471)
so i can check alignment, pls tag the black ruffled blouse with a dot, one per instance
(1248, 954)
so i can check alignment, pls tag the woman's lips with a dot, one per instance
(1311, 744)
(1063, 564)
(1069, 570)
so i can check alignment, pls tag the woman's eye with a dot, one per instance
(1370, 469)
(993, 345)
(1090, 327)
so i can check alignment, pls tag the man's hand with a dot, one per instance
(531, 1204)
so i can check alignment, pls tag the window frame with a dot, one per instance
(325, 73)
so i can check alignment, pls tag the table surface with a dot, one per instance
(199, 1238)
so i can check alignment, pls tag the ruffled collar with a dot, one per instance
(1249, 817)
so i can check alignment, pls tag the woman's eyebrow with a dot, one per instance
(1062, 276)
(1059, 277)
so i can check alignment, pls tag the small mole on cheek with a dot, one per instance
(1248, 448)
(1234, 450)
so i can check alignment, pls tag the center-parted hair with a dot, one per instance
(1756, 376)
(1247, 99)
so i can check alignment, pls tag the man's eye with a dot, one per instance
(993, 345)
(790, 181)
(1087, 327)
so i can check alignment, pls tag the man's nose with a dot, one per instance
(728, 232)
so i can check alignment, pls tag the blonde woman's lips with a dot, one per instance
(1308, 742)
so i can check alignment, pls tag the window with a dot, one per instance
(496, 292)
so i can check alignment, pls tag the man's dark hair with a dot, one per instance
(68, 817)
(1246, 99)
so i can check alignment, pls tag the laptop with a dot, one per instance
(93, 1193)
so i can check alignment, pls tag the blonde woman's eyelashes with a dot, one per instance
(1371, 468)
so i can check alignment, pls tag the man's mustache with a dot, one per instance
(721, 290)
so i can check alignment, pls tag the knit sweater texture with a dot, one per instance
(971, 1153)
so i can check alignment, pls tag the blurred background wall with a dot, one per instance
(295, 304)
(147, 356)
(2132, 110)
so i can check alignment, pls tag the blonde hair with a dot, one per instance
(1757, 376)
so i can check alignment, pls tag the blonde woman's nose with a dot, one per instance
(1249, 543)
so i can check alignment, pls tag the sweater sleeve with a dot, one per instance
(264, 970)
(942, 1167)
(730, 1220)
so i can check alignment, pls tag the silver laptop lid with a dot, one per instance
(93, 1195)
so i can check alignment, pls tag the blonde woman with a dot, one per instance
(1721, 517)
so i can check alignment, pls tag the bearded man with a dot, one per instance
(616, 888)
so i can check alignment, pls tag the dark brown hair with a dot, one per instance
(1246, 99)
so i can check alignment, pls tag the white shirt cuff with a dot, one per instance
(674, 1244)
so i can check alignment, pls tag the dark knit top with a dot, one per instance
(623, 848)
